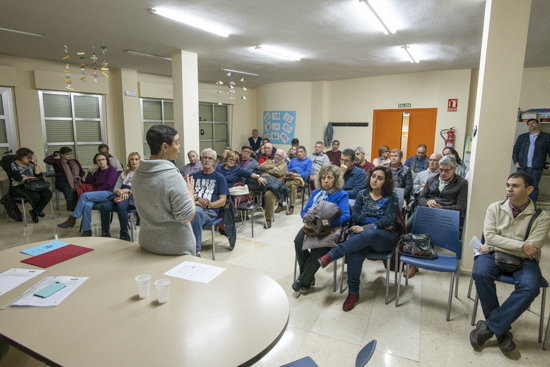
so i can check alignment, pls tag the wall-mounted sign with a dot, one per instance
(130, 93)
(452, 105)
(403, 105)
(279, 126)
(347, 124)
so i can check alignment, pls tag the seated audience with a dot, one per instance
(276, 168)
(194, 164)
(402, 175)
(318, 160)
(361, 161)
(298, 173)
(123, 201)
(102, 177)
(291, 154)
(24, 166)
(255, 143)
(293, 143)
(246, 162)
(268, 153)
(418, 162)
(113, 161)
(506, 230)
(383, 153)
(68, 171)
(422, 177)
(335, 153)
(210, 194)
(222, 158)
(234, 173)
(373, 215)
(163, 197)
(461, 168)
(266, 140)
(355, 179)
(328, 184)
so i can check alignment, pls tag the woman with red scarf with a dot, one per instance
(68, 171)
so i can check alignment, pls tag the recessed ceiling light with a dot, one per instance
(385, 28)
(135, 53)
(22, 32)
(406, 49)
(276, 52)
(170, 14)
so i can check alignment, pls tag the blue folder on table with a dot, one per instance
(46, 247)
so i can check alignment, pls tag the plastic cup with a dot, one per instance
(163, 286)
(143, 282)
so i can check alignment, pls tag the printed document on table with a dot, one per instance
(195, 272)
(14, 277)
(475, 244)
(29, 299)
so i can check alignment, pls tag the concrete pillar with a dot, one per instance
(129, 114)
(186, 102)
(498, 93)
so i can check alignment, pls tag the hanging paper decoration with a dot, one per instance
(94, 63)
(230, 74)
(243, 80)
(104, 64)
(243, 97)
(220, 104)
(244, 88)
(219, 82)
(67, 71)
(81, 63)
(219, 91)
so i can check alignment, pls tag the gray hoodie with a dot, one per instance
(165, 207)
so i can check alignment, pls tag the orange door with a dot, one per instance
(386, 130)
(421, 130)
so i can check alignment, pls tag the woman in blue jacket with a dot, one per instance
(374, 214)
(233, 172)
(329, 184)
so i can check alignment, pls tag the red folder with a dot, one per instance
(57, 256)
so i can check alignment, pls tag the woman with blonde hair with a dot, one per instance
(122, 199)
(383, 152)
(233, 172)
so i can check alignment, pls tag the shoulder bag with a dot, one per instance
(417, 245)
(36, 185)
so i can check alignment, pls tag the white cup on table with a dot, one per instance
(143, 282)
(163, 287)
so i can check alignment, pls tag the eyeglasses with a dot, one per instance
(442, 170)
(208, 158)
(232, 160)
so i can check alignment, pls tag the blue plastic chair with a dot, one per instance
(213, 224)
(363, 357)
(443, 226)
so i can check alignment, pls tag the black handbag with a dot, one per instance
(417, 245)
(509, 263)
(72, 200)
(36, 185)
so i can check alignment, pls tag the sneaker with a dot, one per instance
(480, 335)
(86, 233)
(506, 342)
(198, 254)
(125, 236)
(68, 223)
(34, 216)
(105, 234)
(349, 303)
(325, 260)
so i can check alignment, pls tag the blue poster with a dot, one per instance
(279, 126)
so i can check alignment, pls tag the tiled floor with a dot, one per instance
(414, 334)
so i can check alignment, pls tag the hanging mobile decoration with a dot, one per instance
(231, 85)
(82, 65)
(94, 63)
(244, 88)
(68, 76)
(104, 64)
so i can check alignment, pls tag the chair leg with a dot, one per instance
(334, 281)
(295, 265)
(542, 306)
(213, 244)
(547, 336)
(24, 212)
(132, 226)
(474, 312)
(342, 275)
(470, 287)
(407, 275)
(396, 268)
(450, 296)
(252, 222)
(57, 202)
(263, 213)
(457, 277)
(53, 213)
(399, 284)
(387, 279)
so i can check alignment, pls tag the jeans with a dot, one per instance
(84, 207)
(122, 211)
(357, 247)
(307, 261)
(536, 173)
(38, 200)
(499, 318)
(201, 217)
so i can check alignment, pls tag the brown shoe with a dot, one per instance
(279, 209)
(267, 224)
(350, 302)
(290, 211)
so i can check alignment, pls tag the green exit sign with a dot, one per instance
(401, 105)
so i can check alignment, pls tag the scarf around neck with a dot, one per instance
(71, 172)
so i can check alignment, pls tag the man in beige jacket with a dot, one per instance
(276, 168)
(506, 225)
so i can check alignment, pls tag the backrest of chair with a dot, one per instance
(365, 354)
(442, 225)
(400, 194)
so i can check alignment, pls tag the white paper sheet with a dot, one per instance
(29, 299)
(14, 277)
(475, 244)
(195, 272)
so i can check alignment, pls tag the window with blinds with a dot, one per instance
(214, 127)
(8, 140)
(155, 112)
(72, 120)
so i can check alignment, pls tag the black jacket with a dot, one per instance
(521, 150)
(453, 196)
(405, 179)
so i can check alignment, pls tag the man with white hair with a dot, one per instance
(318, 159)
(210, 194)
(361, 161)
(194, 164)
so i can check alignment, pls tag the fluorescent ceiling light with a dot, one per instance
(22, 32)
(135, 53)
(240, 72)
(277, 53)
(385, 28)
(406, 49)
(189, 21)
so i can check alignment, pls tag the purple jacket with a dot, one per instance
(103, 180)
(58, 167)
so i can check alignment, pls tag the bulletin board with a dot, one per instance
(279, 126)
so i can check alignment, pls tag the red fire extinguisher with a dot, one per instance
(450, 140)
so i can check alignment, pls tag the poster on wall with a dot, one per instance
(279, 126)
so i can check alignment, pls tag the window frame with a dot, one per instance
(214, 123)
(7, 103)
(162, 121)
(73, 119)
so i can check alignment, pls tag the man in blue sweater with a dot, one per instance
(299, 170)
(355, 179)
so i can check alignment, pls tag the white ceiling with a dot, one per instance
(336, 39)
